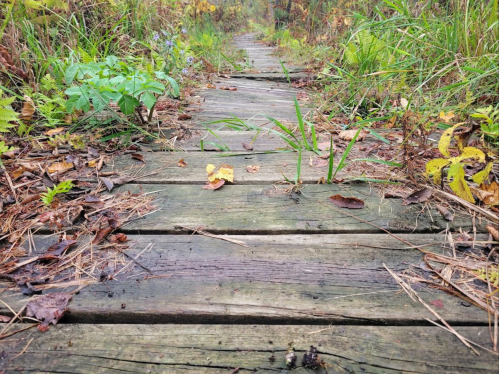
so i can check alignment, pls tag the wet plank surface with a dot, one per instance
(247, 348)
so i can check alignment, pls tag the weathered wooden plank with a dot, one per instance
(284, 279)
(263, 209)
(272, 167)
(258, 349)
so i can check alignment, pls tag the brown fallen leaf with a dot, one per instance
(248, 147)
(4, 319)
(252, 169)
(60, 166)
(118, 238)
(56, 250)
(324, 146)
(108, 183)
(55, 131)
(493, 231)
(212, 86)
(215, 185)
(101, 234)
(418, 197)
(348, 135)
(28, 109)
(493, 190)
(30, 198)
(347, 202)
(227, 88)
(49, 309)
(92, 199)
(445, 213)
(184, 117)
(181, 163)
(138, 156)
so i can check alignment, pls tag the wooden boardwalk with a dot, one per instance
(307, 275)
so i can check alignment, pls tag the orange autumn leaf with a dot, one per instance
(60, 166)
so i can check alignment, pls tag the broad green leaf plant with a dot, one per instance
(99, 83)
(455, 165)
(7, 114)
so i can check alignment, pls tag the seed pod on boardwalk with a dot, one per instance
(311, 359)
(291, 358)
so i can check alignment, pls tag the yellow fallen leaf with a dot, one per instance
(59, 166)
(434, 167)
(467, 154)
(458, 184)
(92, 163)
(480, 177)
(444, 143)
(225, 172)
(446, 117)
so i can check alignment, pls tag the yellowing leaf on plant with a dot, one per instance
(467, 154)
(60, 166)
(444, 143)
(458, 184)
(446, 117)
(434, 167)
(480, 177)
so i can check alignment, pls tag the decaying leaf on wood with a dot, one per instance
(445, 213)
(417, 197)
(181, 163)
(252, 169)
(347, 202)
(48, 309)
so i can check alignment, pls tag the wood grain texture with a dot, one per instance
(260, 209)
(253, 349)
(288, 279)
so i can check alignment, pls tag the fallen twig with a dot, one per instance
(238, 242)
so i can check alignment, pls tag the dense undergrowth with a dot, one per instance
(382, 58)
(73, 63)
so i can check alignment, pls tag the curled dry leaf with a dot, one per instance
(252, 168)
(490, 193)
(347, 202)
(446, 117)
(493, 231)
(418, 197)
(4, 319)
(138, 156)
(181, 163)
(28, 109)
(227, 88)
(445, 213)
(215, 185)
(54, 131)
(212, 86)
(118, 238)
(48, 308)
(108, 183)
(248, 147)
(184, 117)
(101, 234)
(60, 166)
(348, 135)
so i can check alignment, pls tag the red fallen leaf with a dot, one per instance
(437, 303)
(181, 163)
(214, 185)
(118, 238)
(184, 117)
(248, 147)
(101, 234)
(56, 250)
(347, 202)
(48, 308)
(138, 156)
(418, 197)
